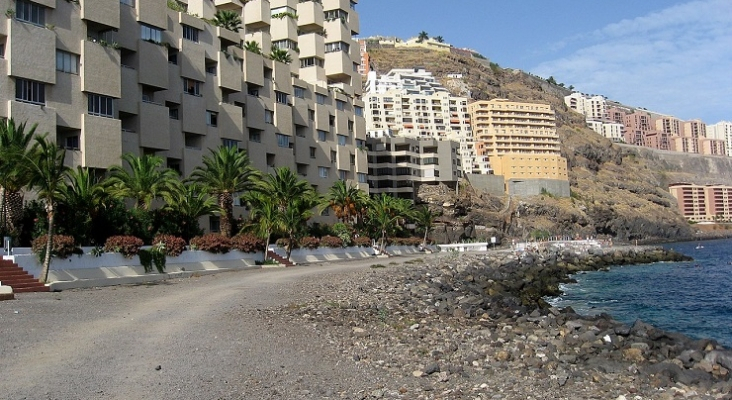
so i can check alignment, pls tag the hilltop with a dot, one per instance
(619, 191)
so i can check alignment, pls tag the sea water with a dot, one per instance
(693, 298)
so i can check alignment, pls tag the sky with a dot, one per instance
(669, 56)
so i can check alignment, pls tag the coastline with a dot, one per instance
(456, 322)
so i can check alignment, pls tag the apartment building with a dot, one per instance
(610, 130)
(519, 139)
(412, 103)
(400, 165)
(637, 125)
(722, 131)
(593, 107)
(107, 77)
(707, 203)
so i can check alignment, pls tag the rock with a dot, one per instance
(417, 373)
(431, 369)
(633, 355)
(723, 358)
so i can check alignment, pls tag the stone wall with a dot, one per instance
(533, 187)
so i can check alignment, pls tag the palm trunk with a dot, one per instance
(290, 245)
(226, 203)
(49, 245)
(424, 241)
(266, 248)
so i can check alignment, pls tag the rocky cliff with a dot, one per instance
(619, 191)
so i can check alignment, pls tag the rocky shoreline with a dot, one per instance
(476, 326)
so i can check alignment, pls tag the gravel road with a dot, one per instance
(196, 338)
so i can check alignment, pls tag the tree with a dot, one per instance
(385, 213)
(439, 39)
(227, 19)
(252, 46)
(224, 172)
(425, 219)
(281, 55)
(264, 216)
(47, 175)
(293, 200)
(84, 198)
(187, 203)
(144, 182)
(14, 171)
(347, 201)
(422, 37)
(551, 80)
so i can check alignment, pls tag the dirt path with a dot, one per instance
(197, 338)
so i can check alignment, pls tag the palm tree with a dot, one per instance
(293, 199)
(227, 19)
(280, 55)
(385, 213)
(264, 215)
(144, 182)
(47, 173)
(422, 37)
(85, 197)
(188, 202)
(425, 219)
(439, 39)
(252, 46)
(225, 171)
(347, 201)
(14, 174)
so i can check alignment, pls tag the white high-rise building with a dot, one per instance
(593, 107)
(412, 103)
(722, 131)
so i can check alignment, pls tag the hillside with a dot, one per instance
(618, 191)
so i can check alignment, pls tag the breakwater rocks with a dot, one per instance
(474, 326)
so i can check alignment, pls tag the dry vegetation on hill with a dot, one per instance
(616, 191)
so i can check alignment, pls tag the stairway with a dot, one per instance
(21, 282)
(280, 259)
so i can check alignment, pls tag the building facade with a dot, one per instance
(708, 203)
(722, 131)
(108, 77)
(412, 103)
(399, 165)
(519, 139)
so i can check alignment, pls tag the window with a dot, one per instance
(255, 136)
(322, 135)
(361, 177)
(336, 14)
(285, 44)
(173, 113)
(211, 69)
(101, 106)
(30, 12)
(331, 120)
(320, 98)
(151, 34)
(299, 92)
(360, 144)
(30, 91)
(268, 117)
(191, 87)
(323, 172)
(230, 143)
(214, 223)
(281, 97)
(253, 92)
(130, 3)
(337, 46)
(340, 105)
(311, 62)
(342, 139)
(72, 142)
(312, 152)
(190, 33)
(311, 114)
(333, 156)
(283, 140)
(358, 110)
(342, 175)
(173, 56)
(212, 118)
(350, 126)
(67, 62)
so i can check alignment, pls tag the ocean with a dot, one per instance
(693, 298)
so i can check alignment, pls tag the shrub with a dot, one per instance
(283, 242)
(62, 247)
(172, 245)
(331, 241)
(212, 243)
(343, 231)
(408, 241)
(247, 243)
(128, 246)
(362, 241)
(309, 242)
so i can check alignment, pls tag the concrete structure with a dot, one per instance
(637, 126)
(611, 130)
(709, 203)
(109, 77)
(399, 165)
(412, 103)
(722, 131)
(519, 139)
(593, 107)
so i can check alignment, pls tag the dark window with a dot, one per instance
(30, 91)
(102, 106)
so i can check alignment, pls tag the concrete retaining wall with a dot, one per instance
(302, 256)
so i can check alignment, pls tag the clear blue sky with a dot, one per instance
(669, 56)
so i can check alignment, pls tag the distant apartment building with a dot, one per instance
(707, 203)
(610, 130)
(365, 66)
(593, 107)
(637, 125)
(412, 103)
(520, 141)
(722, 131)
(109, 77)
(399, 165)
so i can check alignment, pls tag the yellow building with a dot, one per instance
(520, 139)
